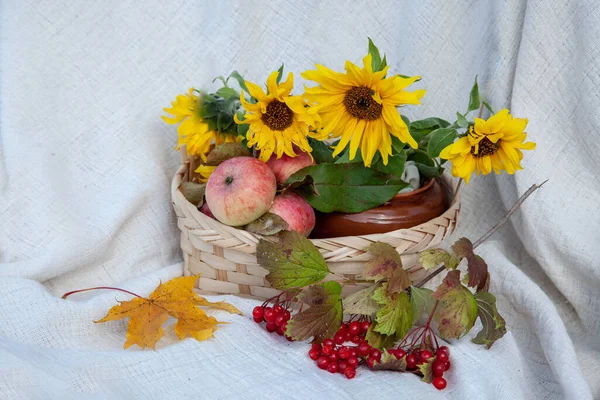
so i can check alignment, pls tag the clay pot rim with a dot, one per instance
(423, 188)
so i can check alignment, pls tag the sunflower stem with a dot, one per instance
(491, 231)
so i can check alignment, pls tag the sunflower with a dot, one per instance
(277, 120)
(493, 144)
(194, 131)
(360, 106)
(204, 172)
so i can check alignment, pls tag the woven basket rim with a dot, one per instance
(177, 197)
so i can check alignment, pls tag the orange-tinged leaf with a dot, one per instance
(174, 298)
(218, 305)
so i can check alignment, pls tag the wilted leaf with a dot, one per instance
(390, 362)
(386, 264)
(323, 318)
(226, 151)
(345, 187)
(193, 192)
(426, 369)
(395, 317)
(433, 257)
(293, 262)
(457, 310)
(267, 224)
(378, 340)
(421, 300)
(494, 326)
(361, 302)
(477, 268)
(219, 305)
(174, 298)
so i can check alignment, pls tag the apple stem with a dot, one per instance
(64, 296)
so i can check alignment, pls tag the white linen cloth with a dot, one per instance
(86, 165)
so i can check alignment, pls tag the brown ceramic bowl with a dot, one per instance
(402, 211)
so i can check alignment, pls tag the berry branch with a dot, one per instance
(64, 296)
(491, 231)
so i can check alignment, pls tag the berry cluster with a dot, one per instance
(416, 357)
(335, 356)
(276, 317)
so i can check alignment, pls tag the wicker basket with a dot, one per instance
(225, 257)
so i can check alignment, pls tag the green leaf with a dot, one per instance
(494, 326)
(429, 123)
(279, 74)
(440, 139)
(227, 93)
(426, 369)
(395, 164)
(386, 264)
(487, 105)
(321, 152)
(347, 188)
(425, 164)
(344, 158)
(293, 262)
(193, 192)
(236, 75)
(461, 121)
(395, 317)
(226, 151)
(476, 266)
(383, 63)
(421, 300)
(267, 224)
(378, 340)
(390, 363)
(323, 318)
(433, 257)
(457, 309)
(361, 302)
(474, 101)
(376, 62)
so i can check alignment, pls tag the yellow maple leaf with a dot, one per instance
(174, 298)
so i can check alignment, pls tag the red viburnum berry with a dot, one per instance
(439, 383)
(269, 315)
(332, 367)
(411, 361)
(352, 362)
(342, 365)
(327, 350)
(343, 352)
(438, 368)
(364, 349)
(442, 356)
(313, 354)
(371, 361)
(258, 314)
(445, 349)
(328, 342)
(426, 355)
(447, 364)
(271, 327)
(277, 309)
(364, 326)
(376, 353)
(354, 328)
(322, 362)
(339, 338)
(317, 347)
(400, 353)
(350, 372)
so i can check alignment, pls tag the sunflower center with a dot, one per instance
(360, 103)
(486, 148)
(278, 116)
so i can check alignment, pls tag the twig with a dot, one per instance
(64, 296)
(489, 233)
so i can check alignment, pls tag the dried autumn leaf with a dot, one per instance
(494, 326)
(193, 192)
(421, 300)
(433, 257)
(386, 264)
(477, 268)
(174, 298)
(293, 262)
(390, 362)
(396, 316)
(226, 151)
(219, 305)
(361, 302)
(457, 310)
(267, 224)
(323, 318)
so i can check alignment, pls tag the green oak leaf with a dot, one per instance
(267, 224)
(433, 257)
(293, 262)
(361, 302)
(193, 192)
(225, 151)
(494, 326)
(386, 264)
(474, 100)
(347, 188)
(323, 318)
(421, 300)
(476, 266)
(457, 309)
(390, 363)
(439, 140)
(396, 316)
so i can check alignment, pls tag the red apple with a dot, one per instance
(296, 211)
(285, 166)
(240, 190)
(206, 210)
